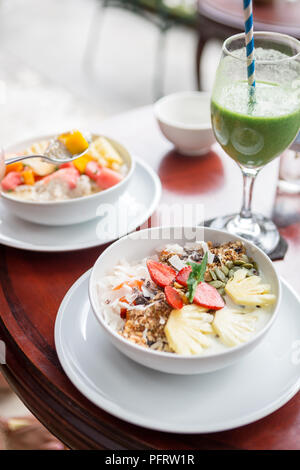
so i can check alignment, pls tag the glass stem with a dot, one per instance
(249, 176)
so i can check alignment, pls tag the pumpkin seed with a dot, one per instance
(213, 274)
(229, 264)
(231, 273)
(248, 266)
(220, 275)
(217, 284)
(225, 269)
(238, 262)
(221, 291)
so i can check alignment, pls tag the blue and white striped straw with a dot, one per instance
(248, 17)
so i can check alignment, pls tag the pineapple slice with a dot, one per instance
(249, 290)
(234, 327)
(103, 151)
(186, 329)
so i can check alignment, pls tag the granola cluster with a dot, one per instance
(230, 251)
(146, 327)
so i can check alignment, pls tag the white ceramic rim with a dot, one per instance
(80, 198)
(265, 33)
(181, 95)
(173, 356)
(65, 248)
(120, 413)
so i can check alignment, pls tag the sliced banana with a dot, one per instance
(37, 148)
(249, 290)
(187, 329)
(38, 165)
(234, 327)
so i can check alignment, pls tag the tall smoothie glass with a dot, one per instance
(254, 126)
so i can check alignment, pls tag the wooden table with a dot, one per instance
(219, 19)
(34, 284)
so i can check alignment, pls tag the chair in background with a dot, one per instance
(155, 11)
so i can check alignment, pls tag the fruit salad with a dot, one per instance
(192, 299)
(33, 179)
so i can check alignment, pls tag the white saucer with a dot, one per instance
(240, 394)
(142, 197)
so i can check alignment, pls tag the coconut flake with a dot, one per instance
(174, 249)
(176, 262)
(192, 245)
(147, 292)
(210, 255)
(145, 334)
(201, 244)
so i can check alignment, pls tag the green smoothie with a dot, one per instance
(254, 131)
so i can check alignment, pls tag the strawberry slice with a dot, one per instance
(173, 297)
(208, 296)
(183, 275)
(161, 274)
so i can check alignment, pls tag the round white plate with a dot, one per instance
(240, 394)
(138, 202)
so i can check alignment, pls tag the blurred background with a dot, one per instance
(74, 61)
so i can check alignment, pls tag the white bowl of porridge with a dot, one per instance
(184, 300)
(47, 194)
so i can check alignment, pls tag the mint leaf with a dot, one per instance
(196, 276)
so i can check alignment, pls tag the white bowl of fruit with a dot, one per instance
(49, 194)
(183, 306)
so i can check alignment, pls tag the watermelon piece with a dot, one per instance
(68, 175)
(92, 170)
(108, 178)
(173, 297)
(161, 274)
(208, 296)
(11, 181)
(183, 275)
(67, 165)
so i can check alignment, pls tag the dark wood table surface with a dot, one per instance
(34, 284)
(219, 19)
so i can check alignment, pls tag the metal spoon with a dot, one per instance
(49, 155)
